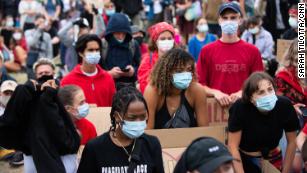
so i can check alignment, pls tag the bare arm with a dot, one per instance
(301, 138)
(222, 98)
(234, 139)
(151, 97)
(57, 12)
(200, 102)
(290, 151)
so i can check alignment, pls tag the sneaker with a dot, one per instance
(17, 159)
(6, 154)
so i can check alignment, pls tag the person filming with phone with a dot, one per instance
(121, 53)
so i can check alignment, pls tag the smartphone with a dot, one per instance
(304, 111)
(125, 69)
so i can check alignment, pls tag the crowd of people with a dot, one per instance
(155, 63)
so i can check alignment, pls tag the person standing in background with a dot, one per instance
(201, 38)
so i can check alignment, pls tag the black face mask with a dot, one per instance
(44, 79)
(139, 40)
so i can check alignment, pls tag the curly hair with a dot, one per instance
(122, 100)
(161, 75)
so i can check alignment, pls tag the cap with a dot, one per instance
(135, 29)
(8, 85)
(230, 5)
(206, 154)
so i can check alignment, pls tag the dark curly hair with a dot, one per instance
(122, 100)
(161, 75)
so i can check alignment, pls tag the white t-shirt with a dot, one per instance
(90, 74)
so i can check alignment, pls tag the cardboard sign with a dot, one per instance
(100, 117)
(182, 137)
(282, 48)
(217, 114)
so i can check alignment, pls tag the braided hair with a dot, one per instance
(122, 100)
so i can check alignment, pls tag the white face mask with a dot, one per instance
(165, 45)
(293, 22)
(203, 28)
(17, 36)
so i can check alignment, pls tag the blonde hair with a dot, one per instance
(43, 61)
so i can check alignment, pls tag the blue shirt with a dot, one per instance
(195, 45)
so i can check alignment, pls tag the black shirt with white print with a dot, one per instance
(101, 155)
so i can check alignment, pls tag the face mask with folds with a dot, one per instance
(165, 45)
(229, 27)
(133, 129)
(92, 57)
(83, 111)
(266, 103)
(182, 80)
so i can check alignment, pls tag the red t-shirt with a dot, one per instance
(87, 130)
(225, 66)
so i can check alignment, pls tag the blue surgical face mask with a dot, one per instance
(83, 111)
(254, 30)
(229, 27)
(182, 80)
(266, 103)
(92, 57)
(110, 12)
(133, 129)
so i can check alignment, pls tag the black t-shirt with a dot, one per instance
(262, 131)
(101, 155)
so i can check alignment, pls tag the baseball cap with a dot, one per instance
(230, 5)
(206, 154)
(8, 85)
